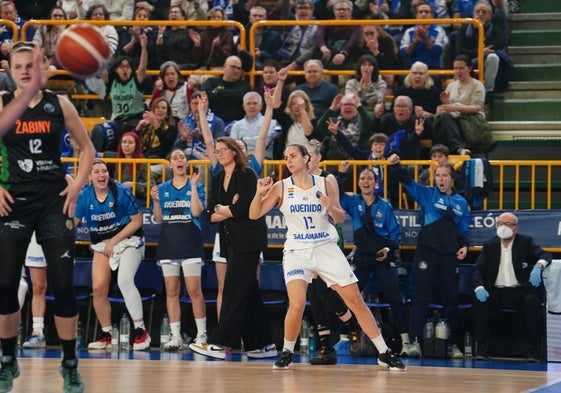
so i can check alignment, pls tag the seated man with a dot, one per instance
(508, 273)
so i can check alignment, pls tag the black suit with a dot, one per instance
(241, 241)
(525, 254)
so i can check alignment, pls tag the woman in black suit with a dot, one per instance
(242, 240)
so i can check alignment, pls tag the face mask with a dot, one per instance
(504, 232)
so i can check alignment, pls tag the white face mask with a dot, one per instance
(504, 232)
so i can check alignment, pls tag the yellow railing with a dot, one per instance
(518, 184)
(253, 73)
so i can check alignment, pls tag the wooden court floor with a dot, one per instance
(199, 375)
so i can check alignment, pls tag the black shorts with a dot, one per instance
(37, 207)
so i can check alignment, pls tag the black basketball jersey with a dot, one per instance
(30, 150)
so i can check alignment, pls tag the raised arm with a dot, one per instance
(261, 145)
(260, 204)
(205, 129)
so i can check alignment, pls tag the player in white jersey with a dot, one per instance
(311, 247)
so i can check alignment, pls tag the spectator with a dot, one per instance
(75, 9)
(132, 175)
(34, 9)
(298, 127)
(194, 10)
(335, 43)
(439, 154)
(461, 114)
(298, 45)
(350, 118)
(174, 42)
(190, 138)
(9, 12)
(158, 8)
(403, 118)
(367, 83)
(225, 93)
(442, 244)
(267, 39)
(129, 40)
(419, 86)
(119, 9)
(377, 152)
(320, 93)
(157, 129)
(376, 42)
(423, 42)
(247, 128)
(272, 75)
(46, 36)
(508, 273)
(117, 245)
(178, 205)
(126, 98)
(100, 12)
(498, 66)
(214, 45)
(174, 89)
(396, 9)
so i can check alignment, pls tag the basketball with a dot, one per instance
(83, 51)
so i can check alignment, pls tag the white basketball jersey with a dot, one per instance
(307, 223)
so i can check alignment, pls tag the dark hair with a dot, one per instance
(239, 156)
(271, 63)
(117, 62)
(170, 120)
(439, 148)
(378, 137)
(367, 59)
(181, 10)
(110, 182)
(93, 7)
(446, 165)
(465, 59)
(368, 169)
(302, 150)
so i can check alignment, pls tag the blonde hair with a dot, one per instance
(309, 108)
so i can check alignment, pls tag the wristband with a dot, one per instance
(217, 207)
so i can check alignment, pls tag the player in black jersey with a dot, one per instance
(35, 196)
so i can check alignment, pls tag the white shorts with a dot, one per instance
(216, 251)
(192, 267)
(35, 256)
(327, 260)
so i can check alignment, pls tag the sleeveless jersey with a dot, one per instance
(30, 150)
(102, 219)
(308, 225)
(180, 234)
(126, 99)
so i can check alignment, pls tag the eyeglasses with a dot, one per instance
(508, 224)
(402, 106)
(348, 104)
(219, 152)
(303, 7)
(341, 9)
(124, 67)
(234, 66)
(369, 33)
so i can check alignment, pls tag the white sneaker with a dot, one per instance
(268, 351)
(455, 352)
(103, 342)
(412, 350)
(201, 339)
(211, 350)
(174, 344)
(35, 341)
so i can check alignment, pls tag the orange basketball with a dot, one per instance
(83, 51)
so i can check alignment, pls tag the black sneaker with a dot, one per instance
(72, 381)
(284, 361)
(325, 355)
(8, 372)
(357, 343)
(390, 361)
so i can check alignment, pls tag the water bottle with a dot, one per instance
(79, 336)
(304, 336)
(115, 337)
(441, 330)
(124, 332)
(164, 331)
(468, 349)
(312, 341)
(429, 328)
